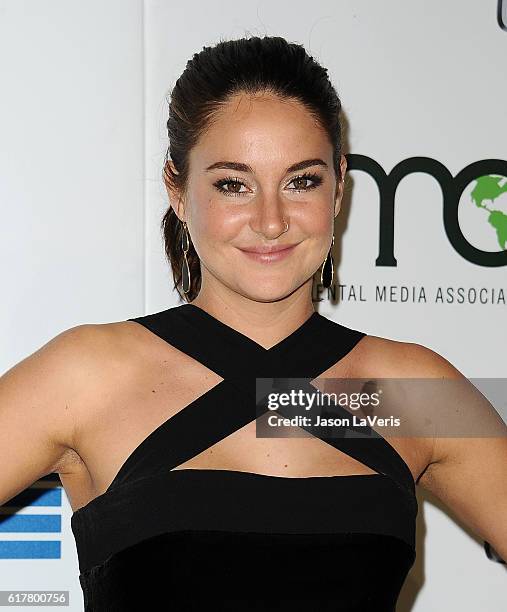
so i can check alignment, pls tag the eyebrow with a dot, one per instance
(302, 165)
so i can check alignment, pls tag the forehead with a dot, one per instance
(244, 106)
(260, 128)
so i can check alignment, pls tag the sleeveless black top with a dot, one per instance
(186, 539)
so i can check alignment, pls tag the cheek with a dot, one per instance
(317, 224)
(216, 224)
(315, 220)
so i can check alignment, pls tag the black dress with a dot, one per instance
(190, 539)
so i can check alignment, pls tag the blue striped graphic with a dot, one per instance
(32, 524)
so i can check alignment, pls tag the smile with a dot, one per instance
(269, 257)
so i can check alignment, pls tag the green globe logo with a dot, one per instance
(488, 189)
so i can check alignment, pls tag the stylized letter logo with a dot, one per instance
(452, 189)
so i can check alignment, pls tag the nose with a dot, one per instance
(270, 221)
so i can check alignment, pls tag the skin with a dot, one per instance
(61, 407)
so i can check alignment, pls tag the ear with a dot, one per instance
(340, 185)
(176, 199)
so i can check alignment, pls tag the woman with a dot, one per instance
(150, 422)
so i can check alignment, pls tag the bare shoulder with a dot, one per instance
(80, 367)
(466, 471)
(385, 358)
(45, 398)
(112, 368)
(382, 357)
(397, 359)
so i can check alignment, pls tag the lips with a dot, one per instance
(267, 250)
(269, 254)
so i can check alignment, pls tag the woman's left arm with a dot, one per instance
(468, 474)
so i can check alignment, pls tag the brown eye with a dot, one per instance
(300, 180)
(219, 185)
(235, 186)
(298, 183)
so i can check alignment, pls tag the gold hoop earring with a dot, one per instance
(185, 268)
(327, 269)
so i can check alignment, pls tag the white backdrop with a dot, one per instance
(82, 125)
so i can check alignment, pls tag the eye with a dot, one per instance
(229, 180)
(307, 176)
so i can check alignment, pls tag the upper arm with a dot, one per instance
(468, 474)
(39, 408)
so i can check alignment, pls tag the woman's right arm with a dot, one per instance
(40, 399)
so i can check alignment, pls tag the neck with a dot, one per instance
(265, 322)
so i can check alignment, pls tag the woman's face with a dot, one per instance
(241, 192)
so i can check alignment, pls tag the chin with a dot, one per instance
(268, 293)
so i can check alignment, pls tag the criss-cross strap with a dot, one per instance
(310, 350)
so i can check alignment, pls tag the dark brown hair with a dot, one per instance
(250, 65)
